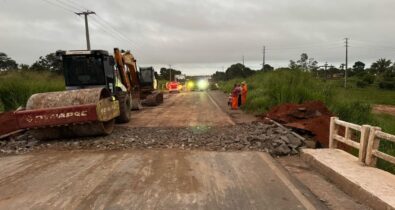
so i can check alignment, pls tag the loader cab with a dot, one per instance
(147, 78)
(88, 69)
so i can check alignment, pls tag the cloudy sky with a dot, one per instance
(200, 37)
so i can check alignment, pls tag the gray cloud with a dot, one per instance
(202, 36)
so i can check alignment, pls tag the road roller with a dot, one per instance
(101, 90)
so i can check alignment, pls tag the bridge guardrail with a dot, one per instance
(369, 140)
(376, 135)
(335, 137)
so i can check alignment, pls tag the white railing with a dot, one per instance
(369, 140)
(335, 137)
(376, 135)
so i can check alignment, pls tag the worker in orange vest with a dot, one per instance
(244, 91)
(235, 97)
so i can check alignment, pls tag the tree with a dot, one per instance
(219, 76)
(165, 73)
(23, 67)
(268, 67)
(358, 67)
(304, 63)
(6, 63)
(48, 63)
(238, 71)
(381, 66)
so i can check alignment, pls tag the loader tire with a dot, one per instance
(124, 107)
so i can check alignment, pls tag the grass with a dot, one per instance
(17, 87)
(353, 104)
(269, 89)
(371, 95)
(387, 123)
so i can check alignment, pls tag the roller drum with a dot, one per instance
(70, 98)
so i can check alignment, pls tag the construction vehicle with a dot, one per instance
(100, 90)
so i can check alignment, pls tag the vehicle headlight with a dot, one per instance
(191, 85)
(203, 84)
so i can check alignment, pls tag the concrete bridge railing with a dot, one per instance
(347, 137)
(366, 139)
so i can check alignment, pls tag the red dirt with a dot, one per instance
(311, 117)
(384, 109)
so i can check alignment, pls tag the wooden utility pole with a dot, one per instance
(170, 72)
(86, 13)
(264, 58)
(345, 73)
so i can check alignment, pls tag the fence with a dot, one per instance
(376, 135)
(335, 137)
(369, 140)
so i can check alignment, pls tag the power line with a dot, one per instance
(314, 45)
(59, 6)
(113, 33)
(104, 29)
(72, 7)
(116, 31)
(77, 3)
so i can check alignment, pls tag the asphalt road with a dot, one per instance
(153, 179)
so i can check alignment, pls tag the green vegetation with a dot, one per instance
(268, 89)
(273, 88)
(386, 122)
(17, 87)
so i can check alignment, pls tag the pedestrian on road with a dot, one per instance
(244, 92)
(239, 96)
(235, 97)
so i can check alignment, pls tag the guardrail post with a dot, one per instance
(364, 142)
(373, 144)
(333, 128)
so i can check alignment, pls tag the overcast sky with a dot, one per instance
(200, 37)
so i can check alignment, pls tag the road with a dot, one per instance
(183, 110)
(153, 179)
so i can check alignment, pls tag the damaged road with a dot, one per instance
(194, 157)
(255, 136)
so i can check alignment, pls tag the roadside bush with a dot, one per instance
(387, 80)
(368, 78)
(361, 84)
(352, 111)
(267, 89)
(387, 85)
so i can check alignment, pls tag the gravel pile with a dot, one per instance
(255, 136)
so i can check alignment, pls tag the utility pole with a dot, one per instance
(86, 13)
(345, 73)
(264, 58)
(170, 72)
(326, 66)
(243, 60)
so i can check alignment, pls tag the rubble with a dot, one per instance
(310, 118)
(257, 136)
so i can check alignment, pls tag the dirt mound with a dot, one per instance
(311, 117)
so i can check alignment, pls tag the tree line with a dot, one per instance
(49, 62)
(381, 72)
(53, 64)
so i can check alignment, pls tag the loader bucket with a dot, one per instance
(153, 99)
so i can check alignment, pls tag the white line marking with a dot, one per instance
(219, 108)
(288, 183)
